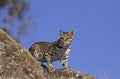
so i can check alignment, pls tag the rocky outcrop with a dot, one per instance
(16, 62)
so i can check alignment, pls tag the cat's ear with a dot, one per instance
(61, 32)
(71, 32)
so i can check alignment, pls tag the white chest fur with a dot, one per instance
(67, 52)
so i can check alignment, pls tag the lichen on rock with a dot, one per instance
(16, 62)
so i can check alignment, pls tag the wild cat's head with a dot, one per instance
(66, 37)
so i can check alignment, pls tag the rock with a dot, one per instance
(16, 62)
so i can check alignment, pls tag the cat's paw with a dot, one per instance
(51, 69)
(68, 68)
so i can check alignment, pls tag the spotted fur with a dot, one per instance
(53, 51)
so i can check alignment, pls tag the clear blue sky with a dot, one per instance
(96, 23)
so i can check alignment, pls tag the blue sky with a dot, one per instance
(96, 25)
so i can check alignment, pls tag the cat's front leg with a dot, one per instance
(64, 63)
(49, 62)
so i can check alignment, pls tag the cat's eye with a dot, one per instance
(67, 38)
(61, 38)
